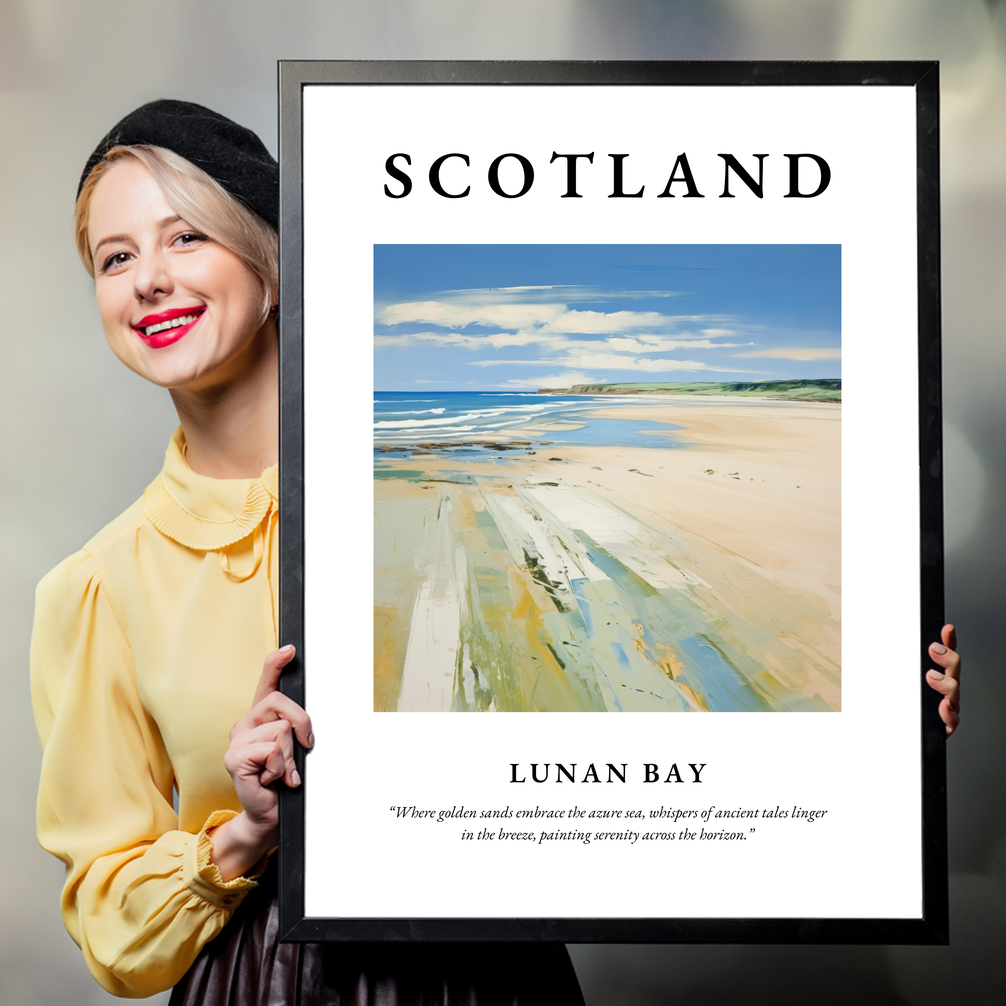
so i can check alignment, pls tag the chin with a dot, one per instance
(191, 364)
(170, 374)
(177, 382)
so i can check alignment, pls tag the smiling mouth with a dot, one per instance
(167, 327)
(175, 321)
(185, 319)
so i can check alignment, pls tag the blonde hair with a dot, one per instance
(199, 200)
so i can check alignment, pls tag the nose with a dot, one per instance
(152, 277)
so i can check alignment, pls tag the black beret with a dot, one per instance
(230, 154)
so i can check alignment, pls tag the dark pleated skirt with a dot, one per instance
(246, 965)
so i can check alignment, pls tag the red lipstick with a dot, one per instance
(166, 327)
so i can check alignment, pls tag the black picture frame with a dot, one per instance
(932, 925)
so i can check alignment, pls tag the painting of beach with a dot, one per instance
(607, 478)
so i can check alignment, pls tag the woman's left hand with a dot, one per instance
(948, 681)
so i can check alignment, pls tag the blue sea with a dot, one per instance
(460, 417)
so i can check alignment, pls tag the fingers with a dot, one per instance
(271, 671)
(262, 760)
(277, 706)
(265, 751)
(947, 681)
(949, 636)
(951, 717)
(949, 712)
(283, 767)
(261, 750)
(944, 655)
(271, 758)
(949, 688)
(270, 703)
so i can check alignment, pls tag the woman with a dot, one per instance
(148, 643)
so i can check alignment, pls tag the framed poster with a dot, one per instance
(611, 501)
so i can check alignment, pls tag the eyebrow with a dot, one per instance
(111, 238)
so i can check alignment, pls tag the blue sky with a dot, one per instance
(522, 317)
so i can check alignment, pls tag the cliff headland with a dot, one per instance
(828, 389)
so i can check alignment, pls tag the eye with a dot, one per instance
(189, 239)
(115, 261)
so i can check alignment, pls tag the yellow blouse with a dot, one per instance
(147, 647)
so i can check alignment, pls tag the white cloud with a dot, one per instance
(566, 380)
(552, 343)
(545, 318)
(584, 341)
(804, 353)
(661, 344)
(611, 361)
(602, 322)
(491, 340)
(566, 294)
(451, 315)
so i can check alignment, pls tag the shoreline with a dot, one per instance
(736, 528)
(657, 408)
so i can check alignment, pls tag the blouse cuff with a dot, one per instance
(202, 876)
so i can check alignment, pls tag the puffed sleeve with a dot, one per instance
(141, 898)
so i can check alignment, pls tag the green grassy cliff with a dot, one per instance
(827, 389)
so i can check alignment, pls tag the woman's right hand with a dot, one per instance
(260, 753)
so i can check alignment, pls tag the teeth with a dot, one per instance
(174, 323)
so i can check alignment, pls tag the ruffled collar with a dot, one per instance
(203, 513)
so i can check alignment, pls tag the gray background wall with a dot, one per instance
(82, 436)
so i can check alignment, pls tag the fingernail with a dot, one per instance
(938, 648)
(936, 675)
(310, 740)
(287, 649)
(295, 777)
